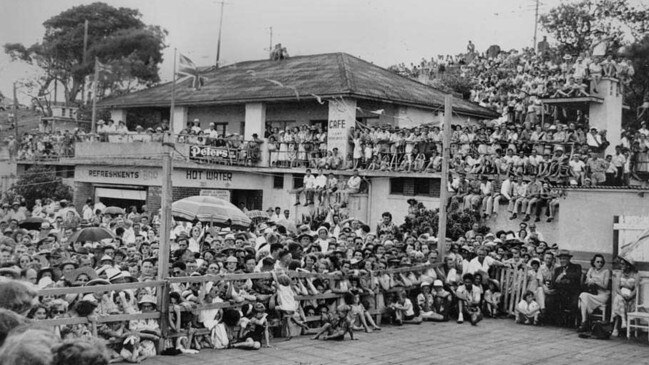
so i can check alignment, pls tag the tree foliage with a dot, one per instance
(116, 36)
(457, 222)
(41, 182)
(638, 91)
(574, 25)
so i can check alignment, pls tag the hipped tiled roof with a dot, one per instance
(325, 75)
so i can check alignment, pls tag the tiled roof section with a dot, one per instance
(325, 75)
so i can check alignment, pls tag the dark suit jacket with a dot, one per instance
(571, 282)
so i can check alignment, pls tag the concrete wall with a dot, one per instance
(296, 113)
(233, 115)
(586, 217)
(550, 231)
(382, 201)
(134, 150)
(608, 116)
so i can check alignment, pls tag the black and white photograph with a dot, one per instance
(334, 182)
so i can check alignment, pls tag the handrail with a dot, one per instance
(100, 319)
(98, 288)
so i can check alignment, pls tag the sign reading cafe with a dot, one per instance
(208, 152)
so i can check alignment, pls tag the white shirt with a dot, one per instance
(526, 308)
(354, 182)
(486, 188)
(506, 189)
(320, 181)
(472, 296)
(593, 140)
(577, 166)
(475, 265)
(309, 181)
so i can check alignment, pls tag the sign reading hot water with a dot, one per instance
(342, 118)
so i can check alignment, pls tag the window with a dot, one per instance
(220, 128)
(298, 181)
(396, 186)
(278, 181)
(415, 187)
(242, 128)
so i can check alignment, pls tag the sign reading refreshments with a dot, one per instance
(118, 174)
(152, 176)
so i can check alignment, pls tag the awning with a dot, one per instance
(124, 194)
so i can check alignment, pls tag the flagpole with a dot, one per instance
(94, 99)
(167, 171)
(173, 98)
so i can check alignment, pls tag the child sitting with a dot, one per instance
(441, 299)
(255, 325)
(527, 310)
(402, 311)
(469, 297)
(287, 304)
(492, 297)
(337, 326)
(426, 302)
(359, 313)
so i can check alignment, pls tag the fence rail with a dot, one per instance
(163, 297)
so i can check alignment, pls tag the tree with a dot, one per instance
(575, 25)
(40, 182)
(458, 222)
(116, 36)
(638, 90)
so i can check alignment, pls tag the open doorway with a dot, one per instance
(250, 199)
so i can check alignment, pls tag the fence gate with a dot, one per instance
(627, 233)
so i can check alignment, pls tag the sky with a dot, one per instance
(380, 31)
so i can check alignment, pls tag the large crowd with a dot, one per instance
(339, 255)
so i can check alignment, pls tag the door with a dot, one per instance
(250, 199)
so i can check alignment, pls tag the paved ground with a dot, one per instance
(493, 341)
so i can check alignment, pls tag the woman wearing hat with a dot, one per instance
(626, 284)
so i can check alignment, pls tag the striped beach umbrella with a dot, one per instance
(209, 209)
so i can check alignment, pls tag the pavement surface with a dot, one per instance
(493, 341)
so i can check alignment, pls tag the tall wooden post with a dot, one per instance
(218, 42)
(85, 52)
(167, 192)
(443, 194)
(94, 99)
(15, 113)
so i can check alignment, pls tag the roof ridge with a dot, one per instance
(345, 72)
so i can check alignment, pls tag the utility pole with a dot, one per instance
(85, 51)
(270, 43)
(443, 193)
(536, 25)
(15, 113)
(218, 44)
(93, 126)
(167, 192)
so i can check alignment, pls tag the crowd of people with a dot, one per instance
(41, 146)
(338, 255)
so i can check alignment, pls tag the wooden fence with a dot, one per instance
(163, 286)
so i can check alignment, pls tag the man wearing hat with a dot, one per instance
(565, 289)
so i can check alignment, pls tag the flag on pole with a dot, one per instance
(102, 70)
(188, 70)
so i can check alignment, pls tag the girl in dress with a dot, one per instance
(283, 149)
(358, 149)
